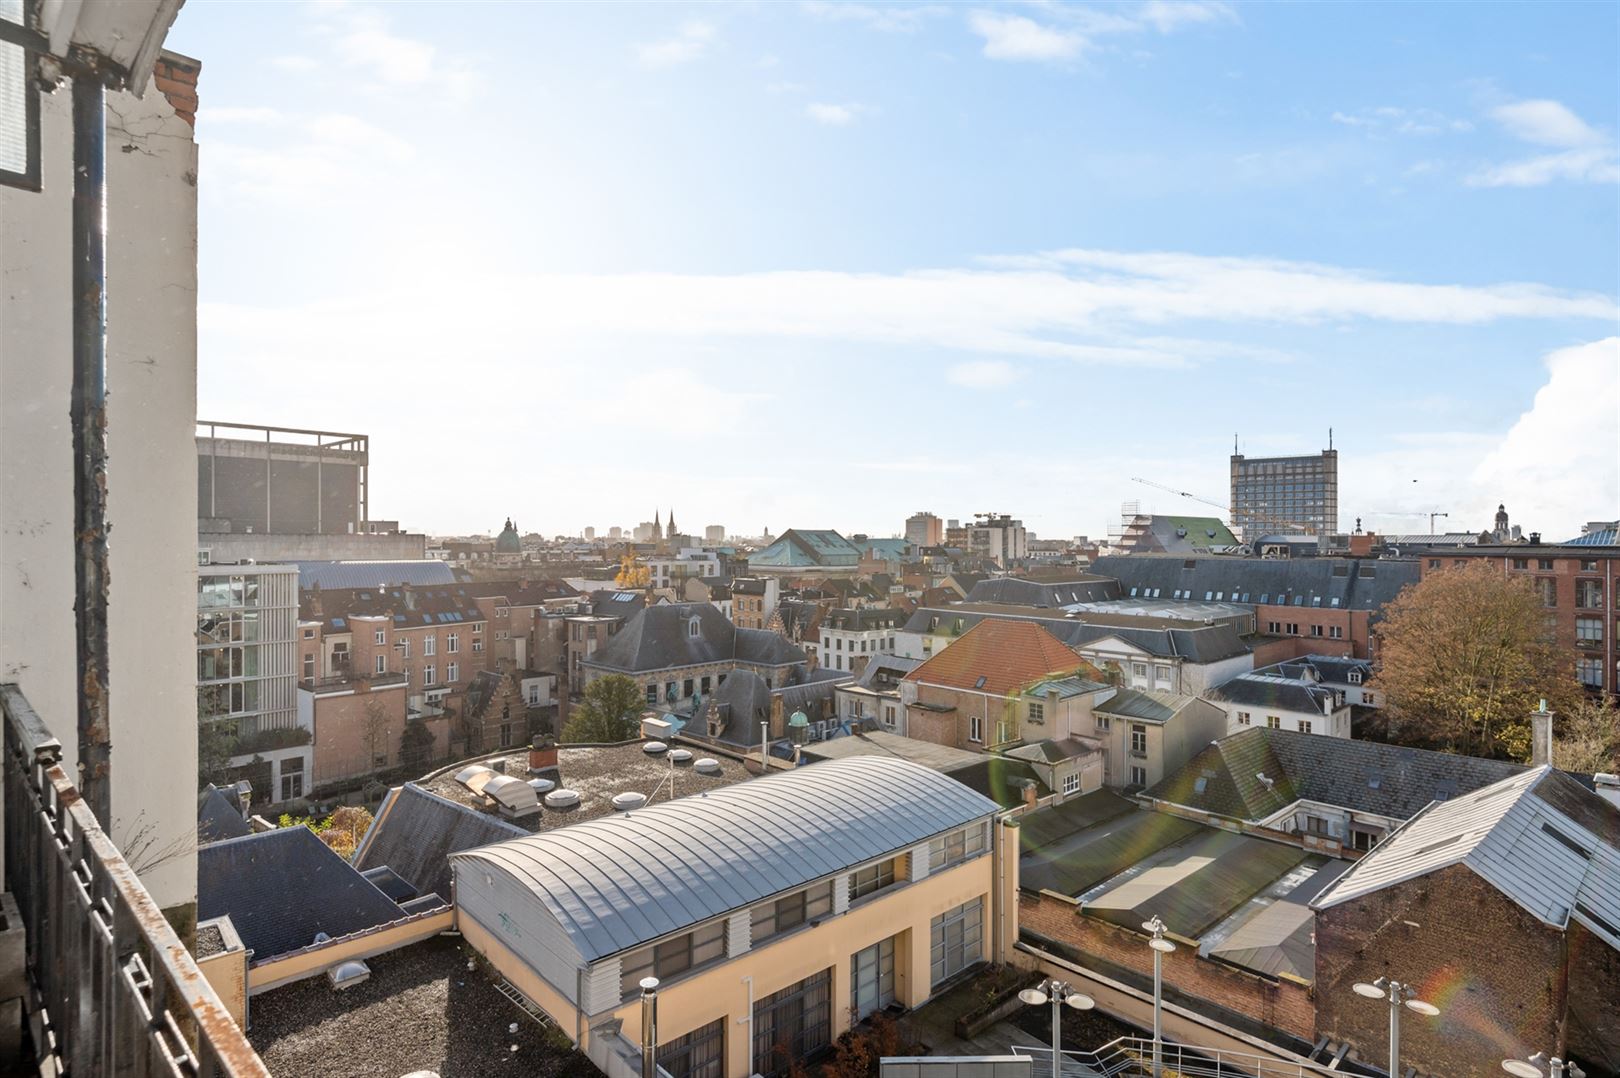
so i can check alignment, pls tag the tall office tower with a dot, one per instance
(1285, 495)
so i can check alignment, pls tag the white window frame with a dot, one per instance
(976, 729)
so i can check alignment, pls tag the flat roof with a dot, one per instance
(1195, 883)
(1074, 861)
(883, 743)
(420, 1010)
(597, 774)
(1275, 934)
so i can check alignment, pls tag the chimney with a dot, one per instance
(410, 596)
(313, 597)
(1030, 794)
(1541, 736)
(778, 720)
(542, 754)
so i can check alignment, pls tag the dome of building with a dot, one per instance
(508, 542)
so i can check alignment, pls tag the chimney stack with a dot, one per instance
(1541, 736)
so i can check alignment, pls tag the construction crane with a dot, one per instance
(1181, 493)
(1412, 513)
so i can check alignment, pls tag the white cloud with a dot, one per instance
(294, 63)
(354, 134)
(983, 374)
(1014, 37)
(1559, 464)
(1402, 121)
(1596, 165)
(226, 114)
(1584, 154)
(692, 40)
(1546, 123)
(893, 18)
(1167, 16)
(366, 41)
(833, 115)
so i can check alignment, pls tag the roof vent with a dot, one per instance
(681, 756)
(562, 799)
(707, 766)
(653, 748)
(1265, 780)
(542, 786)
(514, 798)
(475, 778)
(628, 800)
(348, 974)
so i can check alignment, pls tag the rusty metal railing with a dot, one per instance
(114, 991)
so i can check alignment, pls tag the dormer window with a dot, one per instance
(1355, 677)
(692, 628)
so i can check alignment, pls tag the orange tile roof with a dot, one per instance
(1007, 655)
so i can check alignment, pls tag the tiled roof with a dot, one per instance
(281, 887)
(415, 832)
(997, 657)
(1366, 776)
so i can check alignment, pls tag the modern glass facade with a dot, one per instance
(1285, 495)
(247, 616)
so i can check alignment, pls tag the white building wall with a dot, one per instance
(152, 472)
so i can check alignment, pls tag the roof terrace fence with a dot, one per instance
(112, 989)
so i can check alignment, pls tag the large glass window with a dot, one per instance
(957, 940)
(792, 1024)
(871, 879)
(1589, 594)
(791, 911)
(947, 850)
(672, 957)
(1589, 630)
(699, 1054)
(871, 978)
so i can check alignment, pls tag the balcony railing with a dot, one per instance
(1132, 1057)
(113, 990)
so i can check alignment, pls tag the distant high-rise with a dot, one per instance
(1285, 495)
(714, 533)
(615, 533)
(924, 529)
(590, 534)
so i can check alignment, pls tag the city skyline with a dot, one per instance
(1077, 244)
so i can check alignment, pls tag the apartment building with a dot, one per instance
(998, 538)
(1288, 697)
(1285, 494)
(753, 601)
(879, 882)
(852, 637)
(924, 529)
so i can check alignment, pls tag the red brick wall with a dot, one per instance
(175, 77)
(1494, 970)
(1283, 1005)
(342, 750)
(1354, 628)
(1594, 978)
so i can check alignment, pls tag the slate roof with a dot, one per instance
(807, 548)
(281, 887)
(374, 575)
(1539, 837)
(1065, 687)
(1144, 705)
(1273, 690)
(617, 882)
(1199, 644)
(613, 603)
(1019, 592)
(1052, 752)
(1365, 776)
(884, 667)
(415, 832)
(1359, 584)
(863, 619)
(407, 607)
(218, 817)
(1332, 669)
(522, 592)
(660, 638)
(997, 657)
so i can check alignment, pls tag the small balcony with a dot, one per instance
(108, 986)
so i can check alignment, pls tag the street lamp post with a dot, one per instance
(1059, 995)
(1398, 995)
(1531, 1068)
(1161, 947)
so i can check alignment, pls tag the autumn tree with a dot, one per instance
(1586, 738)
(1464, 656)
(216, 744)
(632, 575)
(607, 714)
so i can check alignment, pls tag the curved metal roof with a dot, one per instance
(617, 882)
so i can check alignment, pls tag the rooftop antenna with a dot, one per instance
(1330, 437)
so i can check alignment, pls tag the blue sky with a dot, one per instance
(823, 265)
